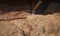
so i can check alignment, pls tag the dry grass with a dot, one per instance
(14, 15)
(34, 25)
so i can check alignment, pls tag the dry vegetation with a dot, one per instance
(33, 25)
(14, 15)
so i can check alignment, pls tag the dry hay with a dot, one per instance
(33, 25)
(14, 15)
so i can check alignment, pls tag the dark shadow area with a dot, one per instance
(17, 5)
(43, 6)
(48, 7)
(14, 5)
